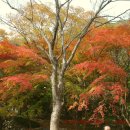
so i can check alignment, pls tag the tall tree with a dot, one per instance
(55, 36)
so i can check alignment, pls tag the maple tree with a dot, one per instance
(14, 60)
(22, 70)
(99, 58)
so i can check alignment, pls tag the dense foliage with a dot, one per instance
(97, 80)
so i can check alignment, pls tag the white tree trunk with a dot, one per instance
(57, 95)
(55, 116)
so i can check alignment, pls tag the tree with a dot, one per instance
(103, 72)
(14, 62)
(55, 35)
(19, 73)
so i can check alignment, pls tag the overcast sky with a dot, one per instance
(113, 9)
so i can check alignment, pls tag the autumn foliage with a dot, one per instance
(95, 64)
(99, 58)
(15, 65)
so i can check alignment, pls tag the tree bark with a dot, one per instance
(55, 116)
(57, 96)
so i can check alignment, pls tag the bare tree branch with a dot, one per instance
(68, 1)
(55, 32)
(118, 16)
(67, 12)
(86, 29)
(31, 3)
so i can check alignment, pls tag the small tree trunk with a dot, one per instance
(57, 95)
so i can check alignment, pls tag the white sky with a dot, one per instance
(113, 9)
